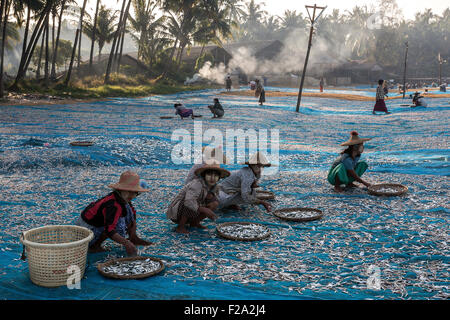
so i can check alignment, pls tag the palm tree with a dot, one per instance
(77, 35)
(94, 30)
(28, 52)
(253, 17)
(115, 41)
(361, 38)
(104, 30)
(62, 5)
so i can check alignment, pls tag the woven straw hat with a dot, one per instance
(129, 181)
(209, 154)
(258, 158)
(214, 165)
(354, 139)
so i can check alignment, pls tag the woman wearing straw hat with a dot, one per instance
(113, 216)
(347, 167)
(198, 199)
(208, 154)
(240, 186)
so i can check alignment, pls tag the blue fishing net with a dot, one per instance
(401, 240)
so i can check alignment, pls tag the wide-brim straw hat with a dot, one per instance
(354, 139)
(258, 158)
(215, 166)
(129, 181)
(213, 154)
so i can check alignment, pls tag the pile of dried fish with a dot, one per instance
(130, 268)
(299, 214)
(244, 230)
(389, 190)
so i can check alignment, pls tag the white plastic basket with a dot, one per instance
(52, 249)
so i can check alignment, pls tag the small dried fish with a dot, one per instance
(129, 268)
(244, 231)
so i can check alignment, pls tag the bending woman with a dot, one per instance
(347, 168)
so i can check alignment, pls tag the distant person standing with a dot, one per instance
(252, 85)
(260, 92)
(265, 81)
(381, 92)
(321, 84)
(228, 83)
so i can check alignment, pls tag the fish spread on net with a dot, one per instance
(299, 214)
(244, 231)
(129, 268)
(389, 190)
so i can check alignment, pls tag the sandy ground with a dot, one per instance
(30, 99)
(325, 95)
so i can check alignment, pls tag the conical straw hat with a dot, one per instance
(354, 139)
(258, 158)
(213, 165)
(129, 181)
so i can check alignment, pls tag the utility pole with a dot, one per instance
(404, 70)
(313, 20)
(441, 61)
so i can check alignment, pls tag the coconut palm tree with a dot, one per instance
(253, 17)
(77, 35)
(94, 30)
(104, 30)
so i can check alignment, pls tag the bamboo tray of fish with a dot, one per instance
(131, 268)
(265, 195)
(81, 143)
(243, 231)
(298, 214)
(387, 189)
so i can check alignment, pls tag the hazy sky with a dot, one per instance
(277, 7)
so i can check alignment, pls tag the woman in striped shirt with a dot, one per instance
(381, 92)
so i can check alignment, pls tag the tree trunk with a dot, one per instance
(113, 47)
(26, 55)
(38, 69)
(47, 29)
(169, 63)
(4, 20)
(55, 53)
(123, 35)
(74, 50)
(91, 56)
(42, 29)
(25, 35)
(79, 48)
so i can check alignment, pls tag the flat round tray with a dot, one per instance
(100, 267)
(229, 237)
(279, 214)
(405, 105)
(265, 195)
(382, 189)
(197, 116)
(166, 117)
(82, 143)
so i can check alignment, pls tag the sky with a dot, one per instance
(277, 7)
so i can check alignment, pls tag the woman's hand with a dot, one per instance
(130, 248)
(208, 213)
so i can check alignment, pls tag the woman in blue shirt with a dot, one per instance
(347, 167)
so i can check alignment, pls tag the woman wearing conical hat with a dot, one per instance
(347, 168)
(113, 216)
(208, 154)
(240, 186)
(198, 199)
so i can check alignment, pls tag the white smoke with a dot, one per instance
(290, 59)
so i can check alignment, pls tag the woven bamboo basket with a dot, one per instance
(229, 237)
(279, 213)
(81, 143)
(52, 249)
(265, 195)
(101, 266)
(376, 189)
